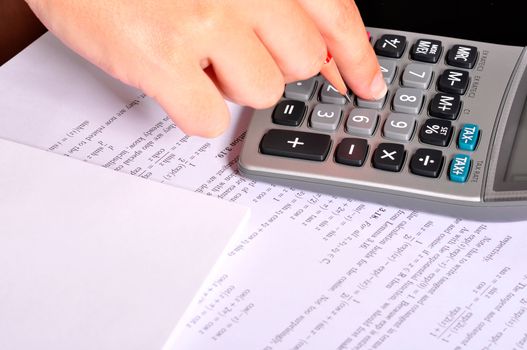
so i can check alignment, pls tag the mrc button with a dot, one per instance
(462, 56)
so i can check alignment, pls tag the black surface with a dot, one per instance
(500, 22)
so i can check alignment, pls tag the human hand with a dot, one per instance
(191, 55)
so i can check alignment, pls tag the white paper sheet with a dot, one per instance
(95, 259)
(312, 271)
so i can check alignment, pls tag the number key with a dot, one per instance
(325, 117)
(388, 69)
(417, 75)
(362, 121)
(329, 94)
(399, 126)
(408, 100)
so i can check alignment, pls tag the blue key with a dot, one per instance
(468, 137)
(459, 168)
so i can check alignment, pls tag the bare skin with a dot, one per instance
(191, 55)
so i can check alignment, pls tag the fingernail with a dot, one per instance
(378, 86)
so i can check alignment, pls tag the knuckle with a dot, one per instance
(362, 56)
(210, 124)
(309, 66)
(268, 96)
(344, 20)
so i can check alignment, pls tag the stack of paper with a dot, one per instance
(312, 271)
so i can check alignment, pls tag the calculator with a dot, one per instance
(450, 135)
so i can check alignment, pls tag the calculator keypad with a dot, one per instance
(407, 115)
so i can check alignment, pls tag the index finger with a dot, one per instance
(341, 25)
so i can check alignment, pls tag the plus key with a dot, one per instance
(295, 144)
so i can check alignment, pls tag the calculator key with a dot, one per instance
(328, 94)
(446, 106)
(468, 137)
(462, 56)
(388, 69)
(390, 45)
(437, 132)
(325, 117)
(426, 162)
(426, 50)
(459, 168)
(352, 151)
(399, 126)
(362, 121)
(374, 104)
(417, 75)
(289, 112)
(389, 156)
(408, 100)
(296, 144)
(453, 81)
(301, 90)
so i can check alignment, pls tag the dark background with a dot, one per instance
(18, 28)
(499, 22)
(493, 21)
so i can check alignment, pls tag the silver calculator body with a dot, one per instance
(471, 161)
